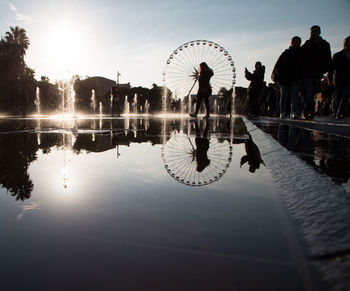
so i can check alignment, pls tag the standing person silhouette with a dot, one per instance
(204, 89)
(316, 60)
(340, 72)
(287, 73)
(255, 88)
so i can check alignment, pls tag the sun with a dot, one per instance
(64, 44)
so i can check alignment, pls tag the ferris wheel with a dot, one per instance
(181, 69)
(180, 159)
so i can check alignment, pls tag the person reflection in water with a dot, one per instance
(204, 89)
(253, 156)
(202, 144)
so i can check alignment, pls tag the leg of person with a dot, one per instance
(198, 105)
(343, 93)
(346, 94)
(338, 101)
(294, 92)
(283, 100)
(308, 97)
(207, 107)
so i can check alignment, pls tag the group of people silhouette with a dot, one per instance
(298, 73)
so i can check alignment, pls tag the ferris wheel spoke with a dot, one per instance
(205, 52)
(185, 66)
(177, 79)
(187, 61)
(179, 73)
(181, 168)
(175, 155)
(195, 55)
(201, 51)
(179, 165)
(179, 148)
(188, 172)
(185, 145)
(198, 53)
(180, 86)
(186, 88)
(215, 166)
(189, 57)
(215, 55)
(193, 59)
(219, 64)
(179, 69)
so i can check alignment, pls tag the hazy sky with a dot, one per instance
(97, 38)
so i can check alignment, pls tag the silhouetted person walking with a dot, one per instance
(316, 61)
(287, 73)
(255, 87)
(204, 89)
(340, 76)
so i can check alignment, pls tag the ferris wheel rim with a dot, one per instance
(176, 176)
(229, 75)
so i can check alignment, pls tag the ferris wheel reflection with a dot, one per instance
(196, 159)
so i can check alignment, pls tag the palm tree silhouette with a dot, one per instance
(18, 41)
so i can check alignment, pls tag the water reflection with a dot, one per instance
(17, 151)
(253, 156)
(202, 144)
(194, 154)
(328, 154)
(195, 158)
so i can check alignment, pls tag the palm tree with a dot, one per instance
(18, 40)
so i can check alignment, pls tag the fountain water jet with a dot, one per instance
(100, 115)
(37, 100)
(146, 107)
(134, 104)
(66, 88)
(126, 105)
(93, 101)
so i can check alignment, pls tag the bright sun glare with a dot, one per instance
(64, 45)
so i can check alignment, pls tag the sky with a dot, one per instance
(135, 37)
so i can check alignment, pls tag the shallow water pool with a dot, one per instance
(139, 204)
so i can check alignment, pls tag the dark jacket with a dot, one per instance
(316, 58)
(257, 81)
(204, 81)
(288, 67)
(341, 68)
